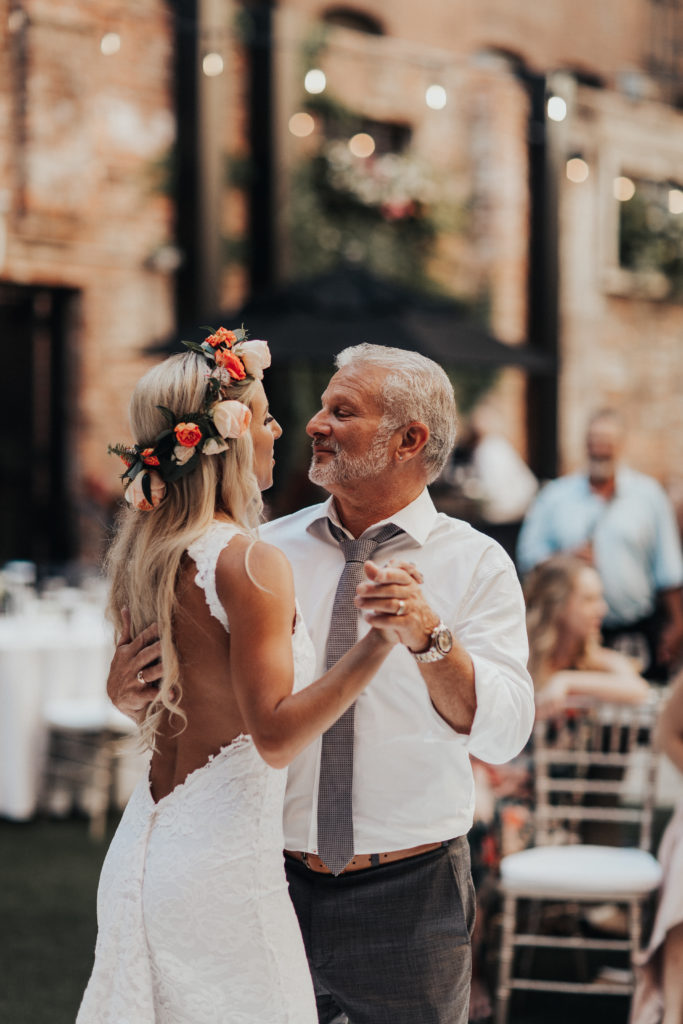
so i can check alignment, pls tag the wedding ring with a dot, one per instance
(140, 678)
(401, 610)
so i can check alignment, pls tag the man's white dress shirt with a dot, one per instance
(412, 777)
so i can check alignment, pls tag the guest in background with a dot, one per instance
(492, 476)
(658, 998)
(621, 522)
(565, 607)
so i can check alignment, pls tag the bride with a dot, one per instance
(195, 921)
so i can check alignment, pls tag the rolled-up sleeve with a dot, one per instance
(668, 563)
(492, 629)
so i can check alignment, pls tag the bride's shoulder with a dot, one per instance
(247, 565)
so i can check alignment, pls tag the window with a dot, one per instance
(347, 17)
(651, 231)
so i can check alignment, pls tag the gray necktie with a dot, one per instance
(335, 815)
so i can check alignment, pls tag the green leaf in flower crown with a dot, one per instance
(241, 333)
(133, 470)
(194, 347)
(147, 487)
(211, 330)
(167, 414)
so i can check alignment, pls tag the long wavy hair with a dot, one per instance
(547, 590)
(145, 556)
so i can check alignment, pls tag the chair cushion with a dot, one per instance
(601, 871)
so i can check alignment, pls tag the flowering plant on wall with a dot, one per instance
(373, 210)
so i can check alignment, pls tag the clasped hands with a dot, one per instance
(390, 599)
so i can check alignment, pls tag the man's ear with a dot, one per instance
(413, 440)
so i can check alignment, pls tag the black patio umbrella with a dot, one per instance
(311, 319)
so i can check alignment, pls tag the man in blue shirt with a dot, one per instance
(622, 522)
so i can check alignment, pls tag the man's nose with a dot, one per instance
(317, 424)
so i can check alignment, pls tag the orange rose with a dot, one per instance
(188, 434)
(149, 458)
(231, 363)
(222, 337)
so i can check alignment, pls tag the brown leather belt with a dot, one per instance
(361, 861)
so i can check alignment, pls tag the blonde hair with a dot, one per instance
(145, 556)
(547, 590)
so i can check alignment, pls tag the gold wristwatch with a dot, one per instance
(440, 643)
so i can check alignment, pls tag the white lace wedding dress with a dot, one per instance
(195, 921)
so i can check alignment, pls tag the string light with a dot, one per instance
(362, 144)
(315, 81)
(557, 108)
(624, 189)
(301, 125)
(675, 200)
(436, 97)
(212, 64)
(110, 43)
(577, 170)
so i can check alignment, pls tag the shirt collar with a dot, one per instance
(416, 519)
(622, 475)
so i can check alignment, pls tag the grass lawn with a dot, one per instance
(48, 924)
(50, 870)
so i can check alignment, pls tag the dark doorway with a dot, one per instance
(37, 399)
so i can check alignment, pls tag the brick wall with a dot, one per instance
(83, 141)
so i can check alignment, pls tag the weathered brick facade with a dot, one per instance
(86, 140)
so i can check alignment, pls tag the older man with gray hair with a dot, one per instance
(378, 809)
(388, 932)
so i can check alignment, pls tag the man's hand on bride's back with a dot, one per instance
(135, 669)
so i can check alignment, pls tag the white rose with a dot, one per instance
(255, 355)
(135, 495)
(212, 446)
(231, 418)
(183, 454)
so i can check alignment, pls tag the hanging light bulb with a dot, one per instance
(212, 64)
(557, 108)
(624, 189)
(315, 81)
(301, 125)
(577, 170)
(436, 97)
(362, 144)
(110, 43)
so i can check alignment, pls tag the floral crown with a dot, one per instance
(176, 450)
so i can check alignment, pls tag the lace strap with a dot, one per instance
(204, 552)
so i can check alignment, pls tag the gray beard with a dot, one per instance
(343, 468)
(601, 470)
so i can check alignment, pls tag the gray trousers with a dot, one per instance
(390, 944)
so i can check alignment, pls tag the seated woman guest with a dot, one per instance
(565, 607)
(658, 998)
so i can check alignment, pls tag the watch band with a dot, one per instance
(436, 650)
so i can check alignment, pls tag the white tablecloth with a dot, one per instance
(43, 657)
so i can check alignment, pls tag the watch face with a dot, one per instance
(444, 640)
